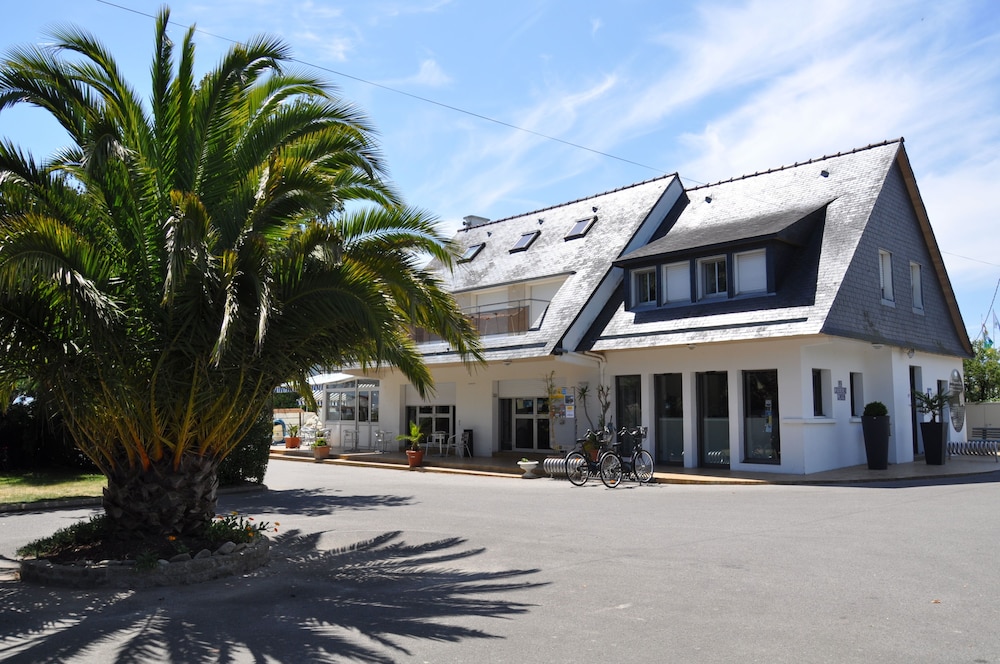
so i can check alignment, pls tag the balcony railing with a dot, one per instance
(513, 317)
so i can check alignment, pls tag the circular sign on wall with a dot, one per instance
(956, 400)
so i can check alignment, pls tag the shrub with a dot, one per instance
(248, 462)
(875, 409)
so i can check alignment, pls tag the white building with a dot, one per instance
(745, 323)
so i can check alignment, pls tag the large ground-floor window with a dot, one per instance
(432, 419)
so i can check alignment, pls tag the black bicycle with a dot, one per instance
(579, 466)
(638, 465)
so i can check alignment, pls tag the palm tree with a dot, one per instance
(162, 274)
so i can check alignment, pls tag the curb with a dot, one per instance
(658, 477)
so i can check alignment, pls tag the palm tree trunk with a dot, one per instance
(162, 500)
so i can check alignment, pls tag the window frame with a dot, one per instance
(525, 241)
(886, 289)
(821, 392)
(471, 252)
(680, 266)
(739, 289)
(580, 228)
(718, 293)
(649, 274)
(857, 394)
(917, 287)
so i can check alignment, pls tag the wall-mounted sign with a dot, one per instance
(956, 400)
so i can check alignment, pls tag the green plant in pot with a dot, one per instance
(875, 427)
(933, 431)
(321, 450)
(292, 440)
(414, 453)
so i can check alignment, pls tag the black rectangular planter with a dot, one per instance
(933, 435)
(876, 432)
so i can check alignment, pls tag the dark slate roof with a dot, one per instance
(762, 204)
(685, 237)
(626, 219)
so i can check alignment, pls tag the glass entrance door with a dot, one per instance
(713, 419)
(367, 413)
(669, 426)
(761, 435)
(531, 423)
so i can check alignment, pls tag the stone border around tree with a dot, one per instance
(228, 560)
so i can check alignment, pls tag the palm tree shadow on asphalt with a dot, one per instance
(307, 502)
(372, 601)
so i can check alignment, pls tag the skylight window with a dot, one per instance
(580, 228)
(471, 252)
(525, 241)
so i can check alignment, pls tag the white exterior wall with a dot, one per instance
(809, 444)
(476, 395)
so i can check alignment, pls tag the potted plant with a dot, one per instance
(528, 466)
(933, 431)
(414, 453)
(292, 440)
(591, 445)
(321, 450)
(875, 426)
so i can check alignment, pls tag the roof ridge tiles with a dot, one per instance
(578, 200)
(797, 164)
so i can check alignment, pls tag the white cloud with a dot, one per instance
(430, 75)
(397, 9)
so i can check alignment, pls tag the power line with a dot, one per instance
(426, 100)
(969, 258)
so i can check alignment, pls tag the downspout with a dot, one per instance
(601, 362)
(590, 355)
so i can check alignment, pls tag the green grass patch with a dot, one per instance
(49, 485)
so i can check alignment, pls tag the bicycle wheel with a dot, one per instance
(577, 469)
(642, 464)
(611, 470)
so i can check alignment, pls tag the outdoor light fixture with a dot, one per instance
(910, 352)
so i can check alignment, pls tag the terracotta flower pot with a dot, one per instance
(415, 458)
(291, 442)
(321, 451)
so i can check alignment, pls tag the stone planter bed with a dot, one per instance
(229, 559)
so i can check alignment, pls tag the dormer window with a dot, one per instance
(677, 282)
(751, 272)
(471, 252)
(580, 228)
(644, 287)
(713, 279)
(525, 241)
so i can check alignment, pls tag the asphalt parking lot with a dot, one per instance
(395, 566)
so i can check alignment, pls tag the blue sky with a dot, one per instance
(708, 89)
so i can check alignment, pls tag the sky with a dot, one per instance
(501, 108)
